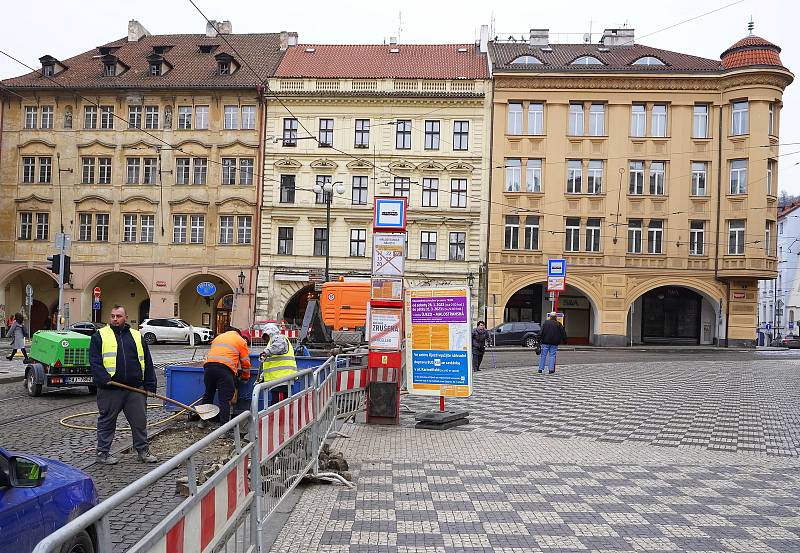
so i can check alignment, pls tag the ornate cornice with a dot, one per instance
(182, 143)
(359, 164)
(36, 141)
(324, 163)
(95, 197)
(188, 200)
(97, 143)
(237, 142)
(287, 163)
(235, 199)
(33, 198)
(138, 198)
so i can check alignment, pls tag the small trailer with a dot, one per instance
(58, 359)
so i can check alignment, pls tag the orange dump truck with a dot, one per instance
(344, 309)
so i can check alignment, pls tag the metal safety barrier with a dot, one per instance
(351, 384)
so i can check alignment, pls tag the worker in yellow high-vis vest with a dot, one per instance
(118, 353)
(277, 361)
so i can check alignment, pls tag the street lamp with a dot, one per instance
(327, 189)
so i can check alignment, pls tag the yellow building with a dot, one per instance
(653, 173)
(145, 152)
(396, 120)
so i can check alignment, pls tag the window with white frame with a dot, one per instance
(427, 247)
(151, 117)
(182, 166)
(594, 178)
(575, 126)
(358, 242)
(634, 236)
(201, 117)
(655, 236)
(226, 228)
(101, 226)
(104, 170)
(536, 118)
(90, 117)
(31, 116)
(197, 229)
(736, 237)
(150, 173)
(129, 226)
(768, 238)
(246, 169)
(403, 134)
(25, 225)
(106, 117)
(700, 121)
(514, 118)
(47, 117)
(771, 119)
(248, 117)
(362, 133)
(461, 135)
(45, 169)
(593, 234)
(636, 173)
(28, 169)
(289, 132)
(184, 117)
(770, 177)
(657, 172)
(738, 176)
(402, 187)
(574, 176)
(133, 171)
(658, 126)
(586, 60)
(513, 174)
(231, 117)
(572, 234)
(432, 134)
(458, 192)
(287, 192)
(285, 240)
(697, 238)
(360, 190)
(42, 226)
(179, 227)
(430, 192)
(533, 175)
(511, 235)
(458, 246)
(200, 170)
(320, 241)
(84, 227)
(229, 170)
(147, 226)
(325, 133)
(134, 117)
(321, 196)
(531, 232)
(597, 120)
(638, 120)
(740, 118)
(699, 178)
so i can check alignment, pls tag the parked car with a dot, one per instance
(173, 330)
(524, 333)
(86, 328)
(791, 342)
(37, 497)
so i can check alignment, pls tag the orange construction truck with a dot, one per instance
(344, 309)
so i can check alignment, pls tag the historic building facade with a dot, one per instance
(147, 151)
(396, 120)
(652, 172)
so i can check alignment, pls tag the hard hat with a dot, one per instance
(270, 329)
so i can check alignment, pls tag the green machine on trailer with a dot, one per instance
(58, 359)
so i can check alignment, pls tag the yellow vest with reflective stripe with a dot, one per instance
(279, 366)
(109, 348)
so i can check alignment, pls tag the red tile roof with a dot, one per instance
(751, 50)
(614, 58)
(190, 67)
(377, 61)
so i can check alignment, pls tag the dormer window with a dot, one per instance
(158, 65)
(526, 60)
(208, 48)
(109, 69)
(226, 65)
(48, 70)
(648, 60)
(155, 68)
(111, 65)
(50, 66)
(587, 60)
(224, 68)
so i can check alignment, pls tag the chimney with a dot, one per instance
(484, 44)
(288, 39)
(136, 31)
(539, 37)
(214, 28)
(393, 40)
(617, 37)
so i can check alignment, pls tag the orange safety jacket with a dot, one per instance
(231, 350)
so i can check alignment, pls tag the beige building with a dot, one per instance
(145, 151)
(387, 120)
(653, 173)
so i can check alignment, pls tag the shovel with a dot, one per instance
(205, 411)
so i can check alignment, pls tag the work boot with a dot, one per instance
(202, 425)
(145, 456)
(106, 459)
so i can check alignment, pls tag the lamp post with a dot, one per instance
(327, 189)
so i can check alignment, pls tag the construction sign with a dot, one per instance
(388, 253)
(385, 328)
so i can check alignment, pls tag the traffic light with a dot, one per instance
(55, 265)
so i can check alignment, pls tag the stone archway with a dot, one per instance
(45, 294)
(295, 308)
(116, 288)
(205, 311)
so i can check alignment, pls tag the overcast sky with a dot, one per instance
(63, 29)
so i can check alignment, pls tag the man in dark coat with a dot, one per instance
(553, 334)
(479, 337)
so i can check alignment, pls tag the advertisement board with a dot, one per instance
(439, 341)
(385, 328)
(388, 253)
(387, 288)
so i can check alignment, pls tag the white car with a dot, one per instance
(173, 330)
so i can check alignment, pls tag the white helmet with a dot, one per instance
(271, 329)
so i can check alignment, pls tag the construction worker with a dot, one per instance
(117, 353)
(277, 361)
(227, 364)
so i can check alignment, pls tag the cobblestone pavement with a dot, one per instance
(618, 457)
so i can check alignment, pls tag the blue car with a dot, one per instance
(37, 497)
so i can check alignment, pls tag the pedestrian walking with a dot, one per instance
(479, 337)
(553, 334)
(277, 361)
(117, 353)
(227, 363)
(17, 332)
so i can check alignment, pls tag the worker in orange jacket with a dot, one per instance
(227, 363)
